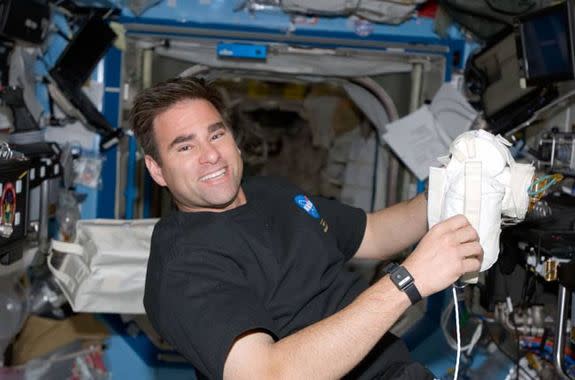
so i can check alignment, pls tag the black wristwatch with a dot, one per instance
(403, 280)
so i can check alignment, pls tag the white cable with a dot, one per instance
(458, 333)
(444, 322)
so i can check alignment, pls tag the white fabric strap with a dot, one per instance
(472, 200)
(65, 247)
(72, 271)
(68, 284)
(61, 276)
(437, 178)
(472, 204)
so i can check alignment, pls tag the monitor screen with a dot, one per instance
(546, 45)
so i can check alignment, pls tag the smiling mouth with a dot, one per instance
(215, 175)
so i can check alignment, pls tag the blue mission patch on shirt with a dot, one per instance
(305, 204)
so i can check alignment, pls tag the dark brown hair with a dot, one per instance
(156, 99)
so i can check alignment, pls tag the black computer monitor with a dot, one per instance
(545, 44)
(85, 50)
(74, 67)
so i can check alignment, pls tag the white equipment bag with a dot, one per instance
(104, 270)
(482, 181)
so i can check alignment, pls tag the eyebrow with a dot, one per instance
(216, 126)
(189, 137)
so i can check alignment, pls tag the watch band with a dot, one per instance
(403, 280)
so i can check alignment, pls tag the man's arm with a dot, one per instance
(327, 349)
(393, 229)
(332, 347)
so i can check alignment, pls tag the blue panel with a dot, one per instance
(124, 363)
(421, 330)
(107, 191)
(440, 359)
(242, 51)
(130, 192)
(88, 208)
(113, 71)
(148, 354)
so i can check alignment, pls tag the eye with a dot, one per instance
(218, 135)
(185, 148)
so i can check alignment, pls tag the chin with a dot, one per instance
(221, 200)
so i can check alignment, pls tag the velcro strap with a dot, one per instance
(472, 199)
(472, 204)
(66, 247)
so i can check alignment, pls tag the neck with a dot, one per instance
(239, 200)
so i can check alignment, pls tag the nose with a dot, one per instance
(209, 154)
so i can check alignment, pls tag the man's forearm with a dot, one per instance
(331, 347)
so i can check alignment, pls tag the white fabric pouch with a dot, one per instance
(104, 270)
(481, 180)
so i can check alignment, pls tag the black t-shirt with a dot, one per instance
(274, 264)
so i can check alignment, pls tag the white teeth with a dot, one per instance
(213, 175)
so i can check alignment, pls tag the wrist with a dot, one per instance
(384, 296)
(418, 277)
(404, 281)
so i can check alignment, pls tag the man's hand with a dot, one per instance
(449, 250)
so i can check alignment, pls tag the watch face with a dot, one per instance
(403, 281)
(401, 277)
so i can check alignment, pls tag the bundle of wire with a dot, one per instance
(539, 187)
(535, 345)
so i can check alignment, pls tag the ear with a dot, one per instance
(155, 170)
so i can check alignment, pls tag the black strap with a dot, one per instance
(412, 293)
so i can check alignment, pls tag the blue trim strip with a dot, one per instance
(131, 191)
(110, 110)
(411, 32)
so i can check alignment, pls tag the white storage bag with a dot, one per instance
(104, 270)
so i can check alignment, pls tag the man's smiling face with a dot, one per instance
(199, 160)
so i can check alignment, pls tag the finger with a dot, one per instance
(455, 222)
(471, 264)
(471, 250)
(466, 234)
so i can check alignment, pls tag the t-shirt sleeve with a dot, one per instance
(346, 223)
(207, 304)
